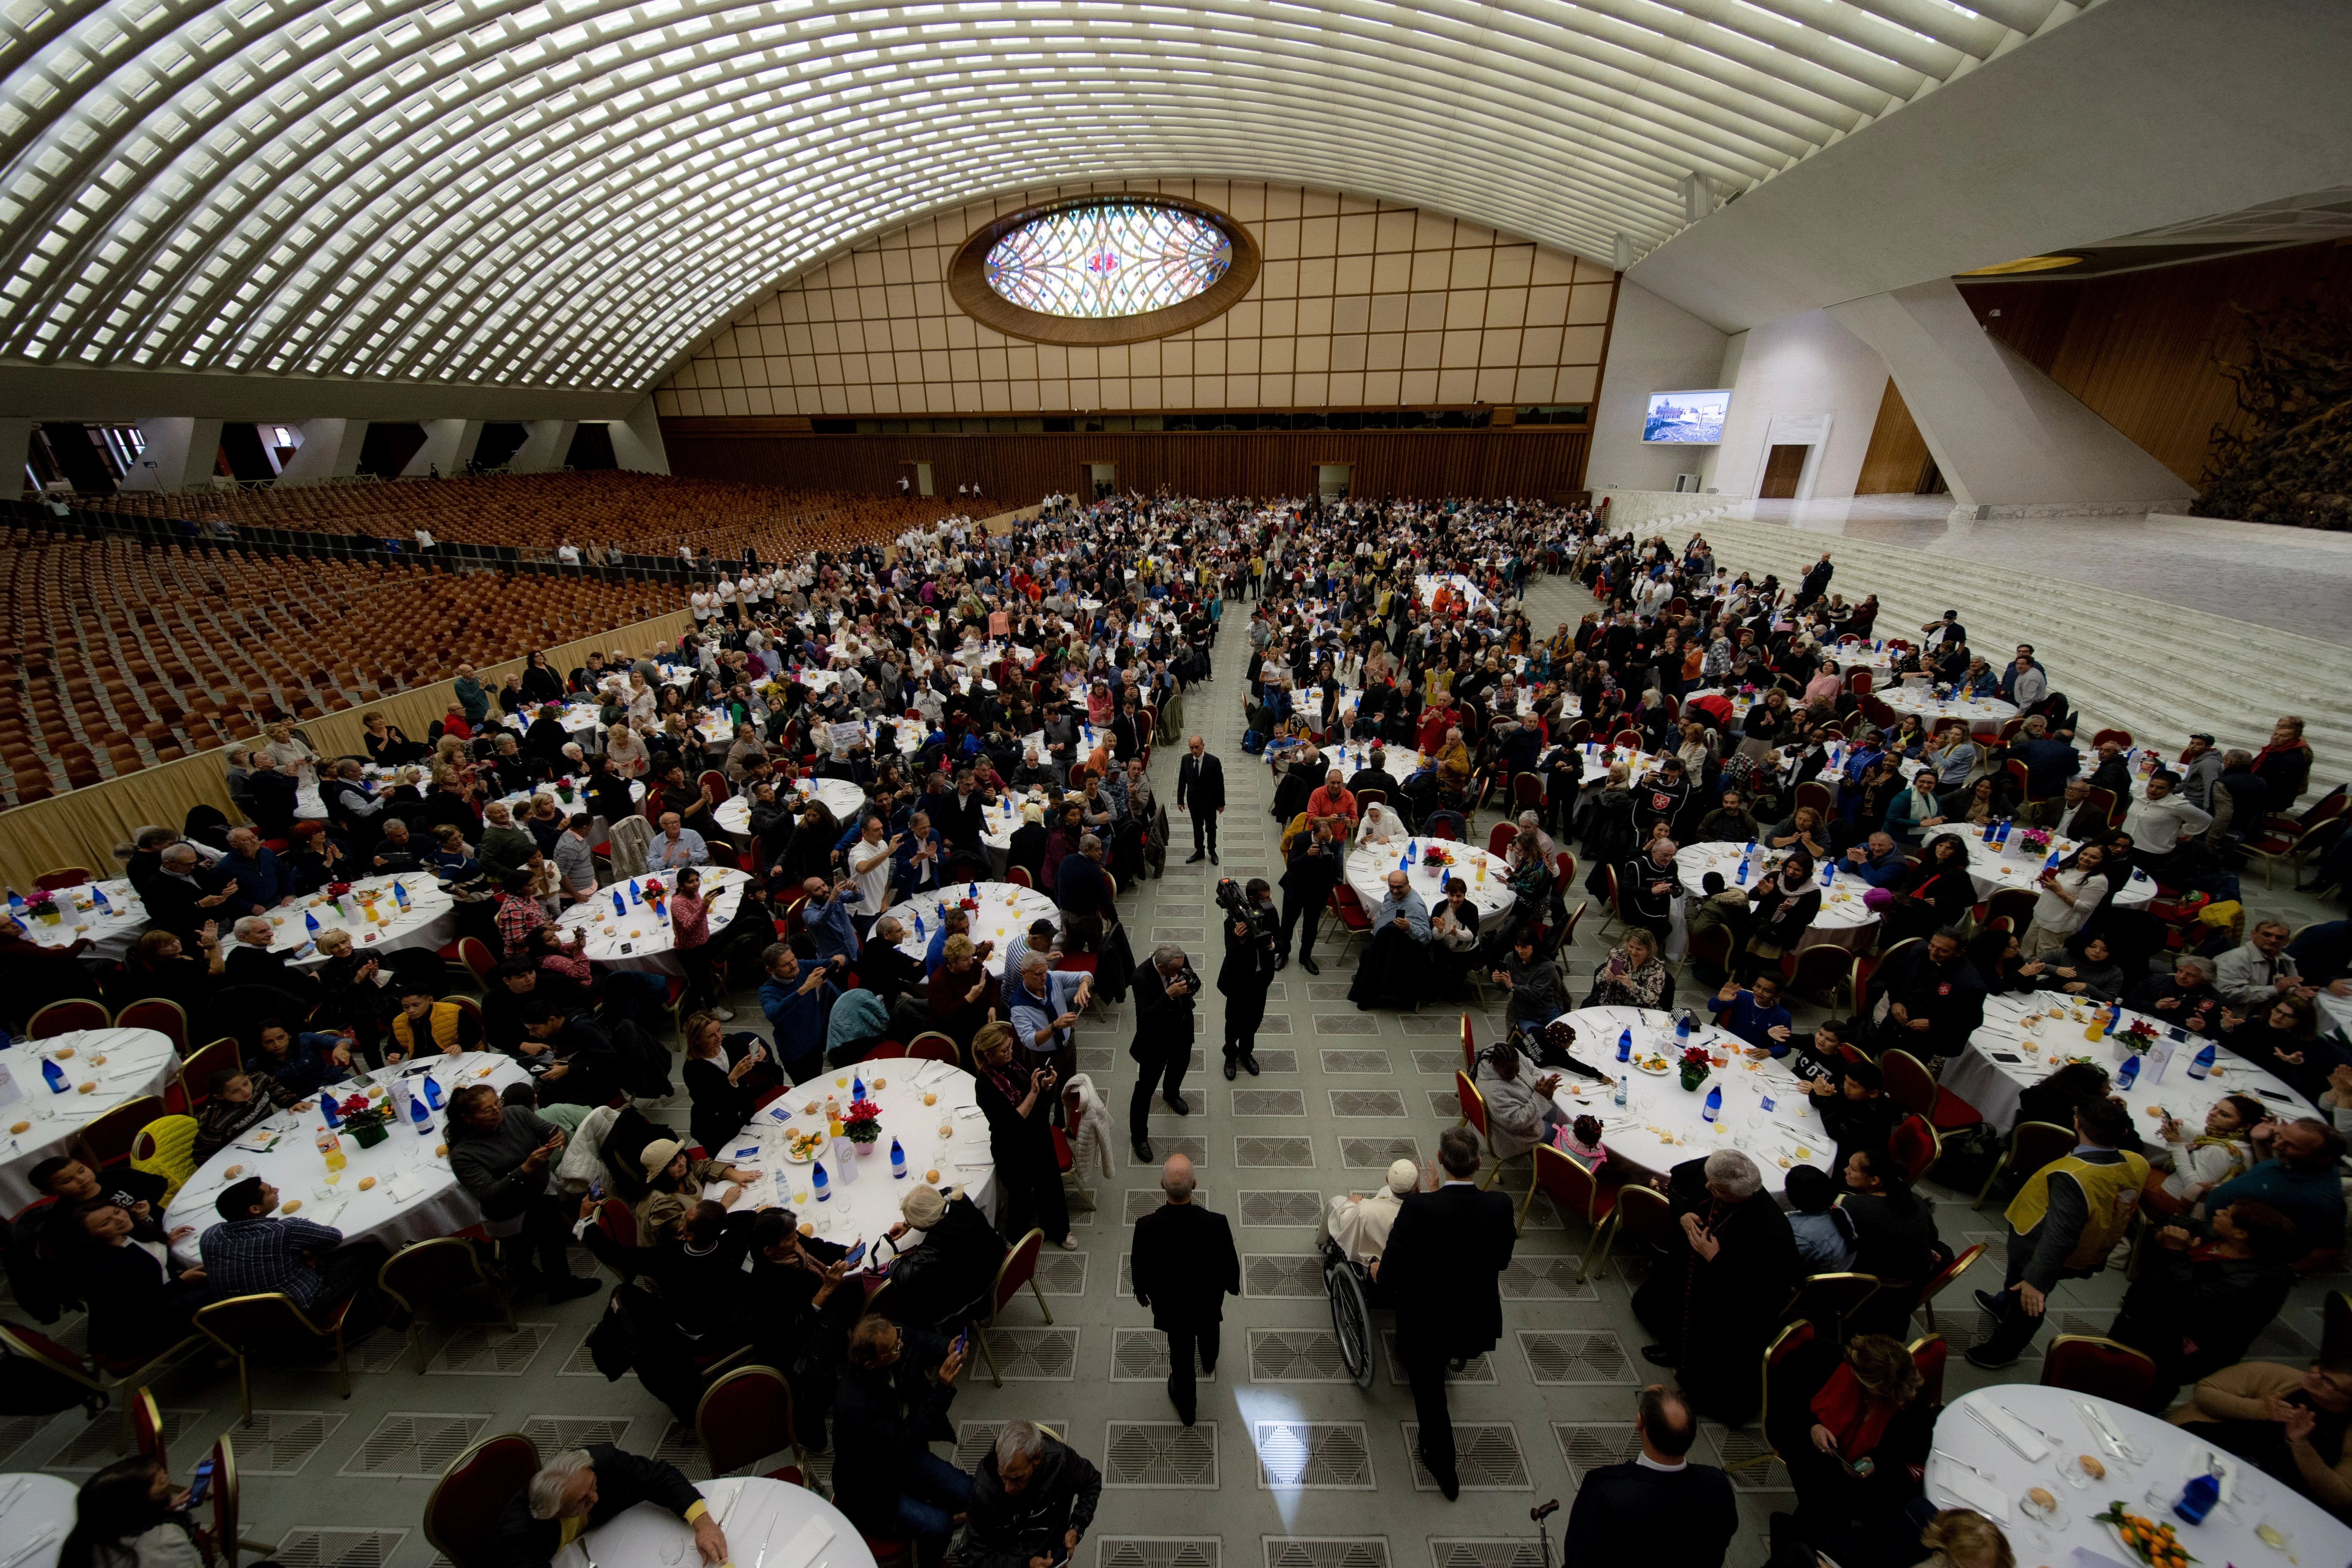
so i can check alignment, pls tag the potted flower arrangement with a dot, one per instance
(2134, 1038)
(42, 904)
(861, 1124)
(1695, 1066)
(1438, 855)
(368, 1120)
(654, 893)
(2034, 840)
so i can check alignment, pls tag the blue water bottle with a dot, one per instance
(1681, 1028)
(1624, 1045)
(857, 1086)
(634, 895)
(2201, 1063)
(1714, 1103)
(1741, 880)
(819, 1183)
(327, 1108)
(918, 926)
(619, 907)
(310, 924)
(2128, 1074)
(432, 1092)
(419, 1117)
(53, 1076)
(898, 1162)
(2198, 1498)
(98, 898)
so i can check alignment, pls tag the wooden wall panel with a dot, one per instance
(1538, 463)
(2140, 349)
(1891, 466)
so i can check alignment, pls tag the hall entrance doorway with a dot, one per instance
(1782, 469)
(1101, 481)
(1331, 480)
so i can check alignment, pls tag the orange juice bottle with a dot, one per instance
(331, 1149)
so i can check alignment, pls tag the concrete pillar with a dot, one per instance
(2004, 435)
(544, 447)
(15, 450)
(180, 452)
(638, 440)
(330, 449)
(447, 444)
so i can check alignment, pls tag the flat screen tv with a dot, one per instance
(1685, 418)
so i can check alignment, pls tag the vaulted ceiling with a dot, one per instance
(570, 194)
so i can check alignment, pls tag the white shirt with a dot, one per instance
(726, 591)
(2157, 825)
(701, 602)
(568, 554)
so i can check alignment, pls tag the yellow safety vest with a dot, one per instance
(2111, 1192)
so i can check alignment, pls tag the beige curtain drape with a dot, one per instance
(83, 826)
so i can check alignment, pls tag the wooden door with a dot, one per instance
(1781, 470)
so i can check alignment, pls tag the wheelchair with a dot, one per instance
(1355, 1296)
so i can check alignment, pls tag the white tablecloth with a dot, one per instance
(38, 1514)
(645, 933)
(112, 934)
(839, 797)
(1661, 1124)
(1425, 590)
(865, 1207)
(2169, 1456)
(1978, 712)
(579, 718)
(1844, 920)
(520, 802)
(1993, 870)
(138, 1062)
(415, 1197)
(430, 919)
(1368, 866)
(1005, 909)
(767, 1524)
(1979, 1075)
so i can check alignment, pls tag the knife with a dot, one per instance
(2007, 1440)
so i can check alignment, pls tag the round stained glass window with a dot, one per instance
(1109, 260)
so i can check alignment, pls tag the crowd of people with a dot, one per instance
(1395, 686)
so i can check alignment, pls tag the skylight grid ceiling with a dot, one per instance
(1115, 259)
(572, 193)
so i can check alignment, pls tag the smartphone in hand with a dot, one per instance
(200, 1485)
(850, 1258)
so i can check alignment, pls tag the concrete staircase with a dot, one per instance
(2156, 669)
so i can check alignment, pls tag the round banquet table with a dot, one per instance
(1005, 909)
(1977, 712)
(1844, 920)
(416, 1197)
(1355, 756)
(1368, 866)
(767, 1524)
(645, 933)
(866, 1206)
(37, 1512)
(579, 718)
(839, 797)
(1425, 590)
(2052, 1425)
(138, 1062)
(1000, 822)
(2007, 1054)
(111, 935)
(430, 919)
(1993, 870)
(1662, 1124)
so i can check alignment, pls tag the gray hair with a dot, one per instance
(1167, 954)
(553, 1480)
(2191, 961)
(1032, 959)
(888, 928)
(1734, 1173)
(1528, 819)
(1018, 1440)
(1089, 845)
(250, 923)
(178, 854)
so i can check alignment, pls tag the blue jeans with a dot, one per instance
(936, 1492)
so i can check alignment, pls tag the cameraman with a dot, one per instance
(1253, 930)
(1165, 985)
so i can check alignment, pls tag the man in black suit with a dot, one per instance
(1201, 789)
(1185, 1266)
(595, 1485)
(184, 894)
(1445, 1256)
(1164, 984)
(1660, 1510)
(1816, 581)
(1306, 883)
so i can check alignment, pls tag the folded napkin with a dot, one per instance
(2028, 1443)
(803, 1548)
(404, 1188)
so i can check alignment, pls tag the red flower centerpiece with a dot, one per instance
(654, 893)
(2139, 1032)
(1695, 1065)
(1438, 855)
(368, 1120)
(861, 1124)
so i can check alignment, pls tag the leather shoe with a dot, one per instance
(1175, 1103)
(1656, 1355)
(1230, 1068)
(1249, 1064)
(1989, 1302)
(1142, 1152)
(1448, 1480)
(1194, 858)
(1281, 961)
(1212, 858)
(1309, 965)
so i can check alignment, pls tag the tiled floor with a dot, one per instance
(1304, 1470)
